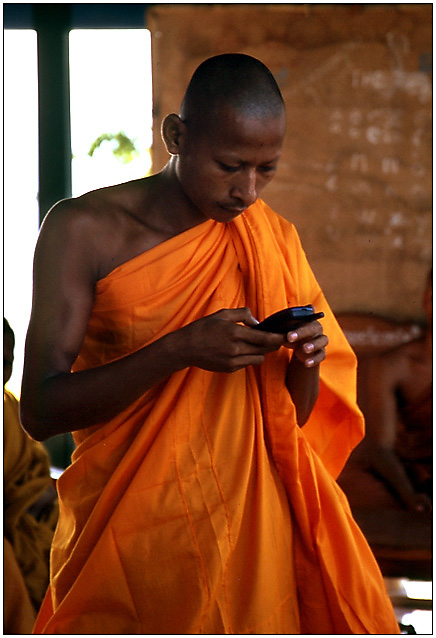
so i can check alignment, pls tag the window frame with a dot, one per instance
(53, 22)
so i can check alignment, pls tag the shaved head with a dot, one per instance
(233, 80)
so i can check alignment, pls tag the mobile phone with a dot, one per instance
(288, 319)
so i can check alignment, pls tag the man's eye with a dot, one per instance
(228, 168)
(268, 169)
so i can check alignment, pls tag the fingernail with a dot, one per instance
(293, 336)
(308, 347)
(310, 363)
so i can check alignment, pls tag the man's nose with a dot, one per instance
(245, 187)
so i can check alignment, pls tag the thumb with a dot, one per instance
(239, 315)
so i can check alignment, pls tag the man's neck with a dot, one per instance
(172, 210)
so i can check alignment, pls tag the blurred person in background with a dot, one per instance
(30, 511)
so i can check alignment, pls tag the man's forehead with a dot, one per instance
(227, 119)
(251, 111)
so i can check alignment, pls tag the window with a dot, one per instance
(111, 106)
(111, 136)
(20, 185)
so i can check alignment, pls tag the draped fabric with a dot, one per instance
(18, 612)
(203, 507)
(26, 472)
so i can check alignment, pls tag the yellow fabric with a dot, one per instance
(203, 507)
(26, 478)
(18, 612)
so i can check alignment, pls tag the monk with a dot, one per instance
(196, 501)
(393, 467)
(30, 511)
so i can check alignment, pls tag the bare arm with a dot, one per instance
(381, 429)
(54, 400)
(302, 380)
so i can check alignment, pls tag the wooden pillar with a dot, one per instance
(52, 23)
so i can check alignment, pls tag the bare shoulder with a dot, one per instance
(98, 227)
(81, 214)
(66, 238)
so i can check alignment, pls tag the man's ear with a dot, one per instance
(172, 131)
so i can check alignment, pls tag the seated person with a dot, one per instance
(392, 467)
(30, 511)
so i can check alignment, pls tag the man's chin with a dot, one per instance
(227, 214)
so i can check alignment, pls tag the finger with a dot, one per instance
(308, 347)
(308, 331)
(238, 315)
(267, 340)
(312, 360)
(246, 360)
(319, 343)
(313, 357)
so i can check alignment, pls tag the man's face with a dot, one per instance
(224, 168)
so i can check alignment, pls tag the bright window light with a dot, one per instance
(418, 590)
(421, 620)
(20, 185)
(111, 106)
(111, 117)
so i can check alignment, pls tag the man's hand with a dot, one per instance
(302, 379)
(220, 343)
(309, 343)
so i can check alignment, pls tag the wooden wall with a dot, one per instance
(356, 172)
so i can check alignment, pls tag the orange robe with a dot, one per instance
(203, 507)
(27, 540)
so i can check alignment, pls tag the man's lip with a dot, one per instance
(233, 210)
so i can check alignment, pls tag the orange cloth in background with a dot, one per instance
(18, 612)
(26, 477)
(203, 507)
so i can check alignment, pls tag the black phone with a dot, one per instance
(288, 319)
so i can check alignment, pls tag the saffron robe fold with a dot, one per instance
(203, 507)
(26, 472)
